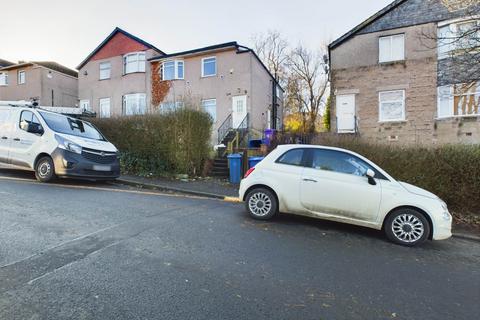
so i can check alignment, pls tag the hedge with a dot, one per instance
(176, 142)
(452, 172)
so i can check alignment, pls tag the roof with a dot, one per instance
(46, 64)
(5, 63)
(232, 44)
(110, 36)
(365, 23)
(216, 47)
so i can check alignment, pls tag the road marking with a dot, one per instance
(232, 199)
(103, 189)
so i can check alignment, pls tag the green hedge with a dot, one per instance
(159, 144)
(452, 172)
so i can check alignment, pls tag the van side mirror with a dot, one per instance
(371, 175)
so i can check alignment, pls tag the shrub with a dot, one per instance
(452, 172)
(169, 143)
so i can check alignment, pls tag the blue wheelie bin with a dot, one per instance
(253, 161)
(235, 166)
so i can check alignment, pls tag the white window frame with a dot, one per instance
(19, 77)
(451, 102)
(453, 45)
(390, 37)
(205, 103)
(101, 101)
(203, 67)
(141, 65)
(176, 64)
(139, 97)
(403, 117)
(84, 102)
(4, 79)
(103, 68)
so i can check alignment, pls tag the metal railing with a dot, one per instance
(224, 128)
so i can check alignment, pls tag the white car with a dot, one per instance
(54, 145)
(340, 185)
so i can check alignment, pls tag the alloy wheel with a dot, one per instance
(408, 228)
(260, 204)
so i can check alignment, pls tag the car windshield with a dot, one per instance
(62, 124)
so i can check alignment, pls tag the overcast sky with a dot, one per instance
(66, 31)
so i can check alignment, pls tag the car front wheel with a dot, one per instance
(407, 227)
(261, 204)
(45, 170)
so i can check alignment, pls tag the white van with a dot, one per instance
(54, 145)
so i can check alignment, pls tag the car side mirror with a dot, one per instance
(371, 175)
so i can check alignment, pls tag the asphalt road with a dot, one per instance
(79, 250)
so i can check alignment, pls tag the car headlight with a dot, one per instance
(445, 214)
(68, 145)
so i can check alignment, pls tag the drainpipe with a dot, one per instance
(274, 104)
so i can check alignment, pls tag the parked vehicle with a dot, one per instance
(340, 185)
(52, 145)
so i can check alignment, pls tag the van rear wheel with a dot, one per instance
(45, 170)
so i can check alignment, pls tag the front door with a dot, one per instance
(239, 110)
(5, 134)
(24, 144)
(345, 107)
(334, 185)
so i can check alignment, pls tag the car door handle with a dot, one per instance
(16, 139)
(309, 180)
(4, 138)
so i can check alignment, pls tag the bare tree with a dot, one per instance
(308, 83)
(272, 49)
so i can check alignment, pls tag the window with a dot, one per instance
(134, 104)
(3, 78)
(21, 77)
(391, 48)
(134, 62)
(209, 67)
(457, 36)
(210, 107)
(172, 70)
(293, 157)
(85, 105)
(341, 162)
(392, 105)
(171, 106)
(104, 107)
(459, 100)
(105, 70)
(26, 118)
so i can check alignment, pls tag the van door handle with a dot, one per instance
(309, 180)
(4, 138)
(16, 139)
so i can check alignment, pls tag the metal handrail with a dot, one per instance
(244, 123)
(224, 128)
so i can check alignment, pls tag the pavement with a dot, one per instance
(85, 250)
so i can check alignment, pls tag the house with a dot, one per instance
(391, 82)
(114, 78)
(47, 82)
(226, 80)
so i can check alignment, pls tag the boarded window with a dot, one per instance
(459, 100)
(392, 105)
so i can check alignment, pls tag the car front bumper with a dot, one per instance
(70, 164)
(442, 228)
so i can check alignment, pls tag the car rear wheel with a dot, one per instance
(45, 170)
(407, 227)
(261, 204)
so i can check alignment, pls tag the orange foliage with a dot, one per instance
(160, 87)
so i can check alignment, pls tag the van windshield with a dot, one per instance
(62, 124)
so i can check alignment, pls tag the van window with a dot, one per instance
(63, 124)
(29, 117)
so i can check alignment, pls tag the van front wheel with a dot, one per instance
(45, 170)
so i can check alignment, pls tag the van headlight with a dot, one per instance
(68, 145)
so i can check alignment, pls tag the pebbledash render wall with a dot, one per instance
(356, 70)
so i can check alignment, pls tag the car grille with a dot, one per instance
(97, 156)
